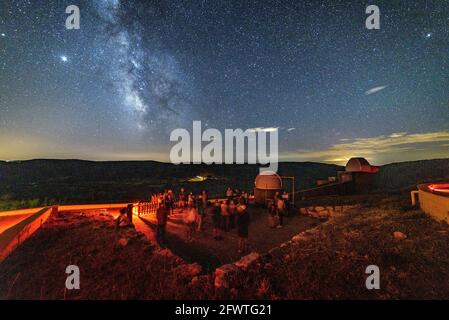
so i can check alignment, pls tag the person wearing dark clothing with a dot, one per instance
(161, 214)
(243, 221)
(122, 220)
(216, 220)
(286, 199)
(272, 215)
(169, 202)
(229, 193)
(224, 216)
(129, 212)
(182, 198)
(232, 212)
(201, 212)
(280, 207)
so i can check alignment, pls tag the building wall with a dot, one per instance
(261, 195)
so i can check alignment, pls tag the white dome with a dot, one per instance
(268, 180)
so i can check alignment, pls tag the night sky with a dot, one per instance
(135, 70)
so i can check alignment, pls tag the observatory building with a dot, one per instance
(266, 185)
(360, 165)
(360, 173)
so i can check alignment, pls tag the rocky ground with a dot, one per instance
(326, 261)
(113, 265)
(329, 261)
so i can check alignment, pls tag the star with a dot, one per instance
(3, 34)
(428, 35)
(64, 58)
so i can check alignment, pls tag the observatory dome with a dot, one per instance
(268, 180)
(360, 165)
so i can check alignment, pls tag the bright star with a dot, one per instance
(428, 35)
(64, 58)
(3, 35)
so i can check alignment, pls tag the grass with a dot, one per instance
(11, 204)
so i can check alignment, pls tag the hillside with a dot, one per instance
(87, 181)
(42, 182)
(405, 175)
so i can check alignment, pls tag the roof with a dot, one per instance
(268, 180)
(360, 165)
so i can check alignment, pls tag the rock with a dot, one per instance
(312, 231)
(268, 266)
(164, 252)
(399, 235)
(224, 275)
(320, 209)
(299, 237)
(283, 245)
(123, 242)
(274, 252)
(194, 280)
(245, 262)
(188, 270)
(203, 280)
(263, 289)
(303, 211)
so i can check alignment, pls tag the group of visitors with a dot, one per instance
(229, 214)
(224, 215)
(197, 208)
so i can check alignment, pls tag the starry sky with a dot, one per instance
(135, 70)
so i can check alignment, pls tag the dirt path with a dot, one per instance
(211, 253)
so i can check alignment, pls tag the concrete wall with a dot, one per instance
(437, 206)
(16, 235)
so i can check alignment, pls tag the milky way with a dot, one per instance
(149, 81)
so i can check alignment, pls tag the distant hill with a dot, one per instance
(406, 175)
(66, 181)
(90, 181)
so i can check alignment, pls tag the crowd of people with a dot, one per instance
(224, 216)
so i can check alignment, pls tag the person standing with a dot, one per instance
(129, 213)
(224, 216)
(229, 193)
(231, 214)
(243, 221)
(190, 200)
(216, 220)
(204, 197)
(182, 198)
(272, 215)
(161, 215)
(244, 197)
(286, 199)
(170, 199)
(280, 210)
(190, 219)
(201, 212)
